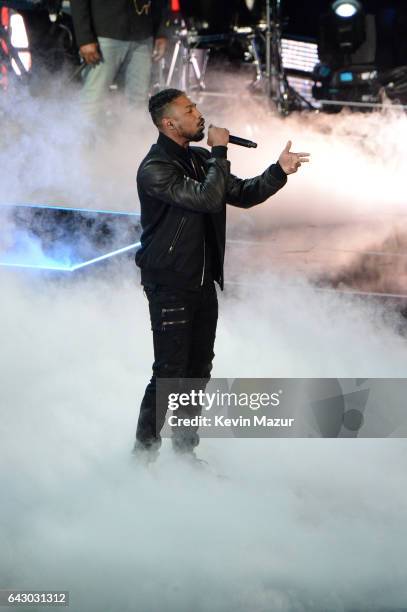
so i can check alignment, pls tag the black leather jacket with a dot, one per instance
(176, 210)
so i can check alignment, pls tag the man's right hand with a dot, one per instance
(90, 53)
(218, 137)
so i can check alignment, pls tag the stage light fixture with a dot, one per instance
(346, 9)
(19, 40)
(15, 36)
(343, 30)
(347, 51)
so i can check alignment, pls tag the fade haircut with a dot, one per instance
(158, 104)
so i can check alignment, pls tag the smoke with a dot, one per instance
(297, 525)
(341, 219)
(358, 161)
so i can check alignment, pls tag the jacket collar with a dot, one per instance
(173, 148)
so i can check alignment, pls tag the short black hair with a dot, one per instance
(158, 103)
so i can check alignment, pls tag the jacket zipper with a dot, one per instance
(203, 267)
(173, 243)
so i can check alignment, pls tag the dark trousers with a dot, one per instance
(184, 329)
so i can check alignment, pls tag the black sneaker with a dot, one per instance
(145, 454)
(192, 458)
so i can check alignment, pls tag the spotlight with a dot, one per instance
(175, 6)
(347, 51)
(342, 32)
(15, 49)
(19, 40)
(346, 10)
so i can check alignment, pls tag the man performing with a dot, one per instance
(183, 194)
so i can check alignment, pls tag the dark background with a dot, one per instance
(301, 18)
(52, 46)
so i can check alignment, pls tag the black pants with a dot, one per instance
(184, 329)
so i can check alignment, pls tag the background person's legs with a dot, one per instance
(137, 72)
(97, 79)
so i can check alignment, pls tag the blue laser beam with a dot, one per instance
(59, 268)
(86, 210)
(102, 257)
(56, 268)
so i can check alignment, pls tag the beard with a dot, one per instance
(199, 135)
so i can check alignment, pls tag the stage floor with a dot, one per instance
(364, 255)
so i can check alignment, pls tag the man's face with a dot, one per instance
(186, 119)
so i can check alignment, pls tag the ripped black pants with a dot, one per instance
(184, 328)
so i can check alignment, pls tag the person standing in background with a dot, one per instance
(118, 39)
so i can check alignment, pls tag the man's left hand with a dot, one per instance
(160, 46)
(290, 162)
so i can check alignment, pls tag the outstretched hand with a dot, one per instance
(290, 162)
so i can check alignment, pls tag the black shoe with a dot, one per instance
(184, 443)
(190, 457)
(145, 453)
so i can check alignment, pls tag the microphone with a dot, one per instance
(242, 142)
